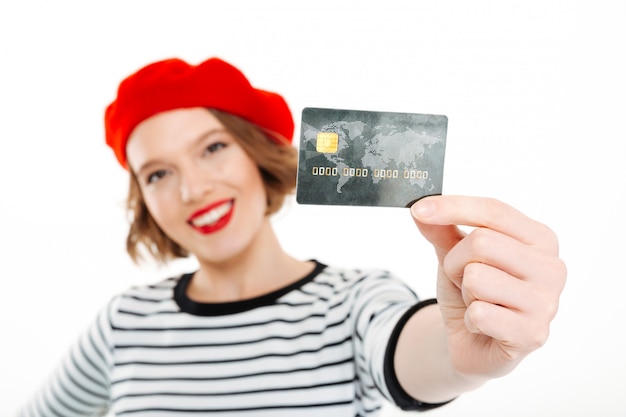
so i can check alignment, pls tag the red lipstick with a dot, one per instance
(213, 217)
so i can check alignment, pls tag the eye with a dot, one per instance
(156, 175)
(214, 147)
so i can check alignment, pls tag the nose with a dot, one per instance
(194, 185)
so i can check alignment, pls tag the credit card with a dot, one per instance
(365, 158)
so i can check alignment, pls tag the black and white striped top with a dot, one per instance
(317, 347)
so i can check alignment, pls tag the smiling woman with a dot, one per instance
(206, 172)
(277, 164)
(256, 332)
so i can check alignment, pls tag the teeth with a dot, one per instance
(213, 215)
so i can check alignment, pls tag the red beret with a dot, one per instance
(173, 84)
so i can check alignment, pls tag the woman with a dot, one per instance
(257, 332)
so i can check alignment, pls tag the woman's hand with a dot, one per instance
(498, 286)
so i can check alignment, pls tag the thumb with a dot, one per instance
(442, 237)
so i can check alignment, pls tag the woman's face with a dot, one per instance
(199, 185)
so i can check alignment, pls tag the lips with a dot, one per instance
(213, 217)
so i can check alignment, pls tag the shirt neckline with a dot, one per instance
(195, 308)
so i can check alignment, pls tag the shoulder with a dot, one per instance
(335, 275)
(147, 299)
(359, 280)
(338, 274)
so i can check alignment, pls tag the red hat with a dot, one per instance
(173, 84)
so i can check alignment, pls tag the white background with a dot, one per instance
(535, 93)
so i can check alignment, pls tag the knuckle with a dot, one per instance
(474, 315)
(538, 338)
(545, 304)
(539, 327)
(560, 271)
(480, 240)
(556, 274)
(447, 266)
(549, 306)
(471, 277)
(549, 238)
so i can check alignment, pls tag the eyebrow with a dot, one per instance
(202, 137)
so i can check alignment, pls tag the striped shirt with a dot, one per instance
(316, 347)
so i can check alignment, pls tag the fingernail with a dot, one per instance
(423, 208)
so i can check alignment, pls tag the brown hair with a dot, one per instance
(277, 164)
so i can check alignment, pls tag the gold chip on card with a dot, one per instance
(327, 142)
